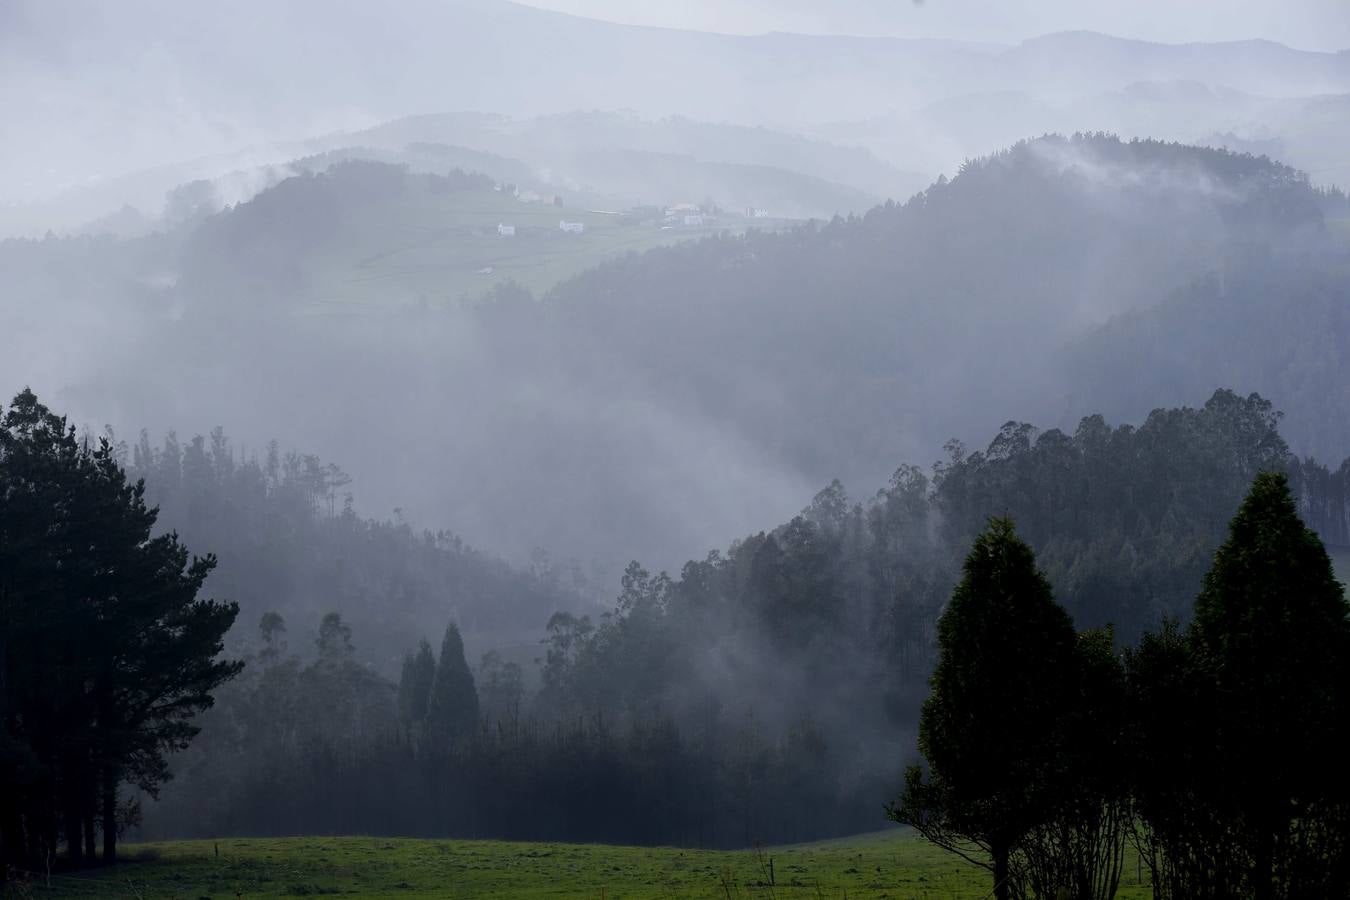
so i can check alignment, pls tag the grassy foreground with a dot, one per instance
(894, 864)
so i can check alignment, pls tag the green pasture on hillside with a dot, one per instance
(892, 864)
(432, 247)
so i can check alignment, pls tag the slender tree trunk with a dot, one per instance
(1263, 877)
(52, 836)
(109, 816)
(6, 838)
(74, 837)
(89, 845)
(1002, 889)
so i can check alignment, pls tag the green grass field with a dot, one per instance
(892, 864)
(436, 247)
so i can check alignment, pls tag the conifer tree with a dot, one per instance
(1270, 633)
(414, 686)
(991, 726)
(107, 652)
(452, 709)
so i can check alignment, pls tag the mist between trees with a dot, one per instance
(1047, 751)
(551, 357)
(768, 692)
(662, 403)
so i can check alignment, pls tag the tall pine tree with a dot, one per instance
(106, 650)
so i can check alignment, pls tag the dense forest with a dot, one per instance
(1179, 746)
(1275, 320)
(290, 542)
(107, 649)
(765, 692)
(1020, 253)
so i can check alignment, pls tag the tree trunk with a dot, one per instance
(89, 846)
(7, 842)
(51, 841)
(74, 837)
(1263, 861)
(1002, 889)
(109, 817)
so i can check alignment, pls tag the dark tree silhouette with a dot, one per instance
(106, 651)
(1191, 848)
(414, 687)
(1078, 852)
(452, 708)
(1240, 721)
(990, 730)
(1270, 632)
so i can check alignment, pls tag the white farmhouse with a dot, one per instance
(506, 230)
(693, 221)
(572, 227)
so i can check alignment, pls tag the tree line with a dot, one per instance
(786, 672)
(769, 692)
(1217, 748)
(454, 749)
(107, 651)
(289, 540)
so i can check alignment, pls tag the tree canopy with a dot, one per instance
(107, 651)
(1248, 792)
(992, 727)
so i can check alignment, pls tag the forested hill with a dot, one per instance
(766, 691)
(1124, 519)
(1278, 323)
(290, 544)
(668, 401)
(838, 349)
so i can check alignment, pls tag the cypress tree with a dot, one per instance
(991, 726)
(452, 709)
(1270, 635)
(414, 686)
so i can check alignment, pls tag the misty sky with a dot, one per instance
(1307, 24)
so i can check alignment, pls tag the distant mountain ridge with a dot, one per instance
(1307, 132)
(178, 81)
(615, 159)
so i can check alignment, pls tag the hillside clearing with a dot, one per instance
(436, 247)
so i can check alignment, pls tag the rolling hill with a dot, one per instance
(662, 402)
